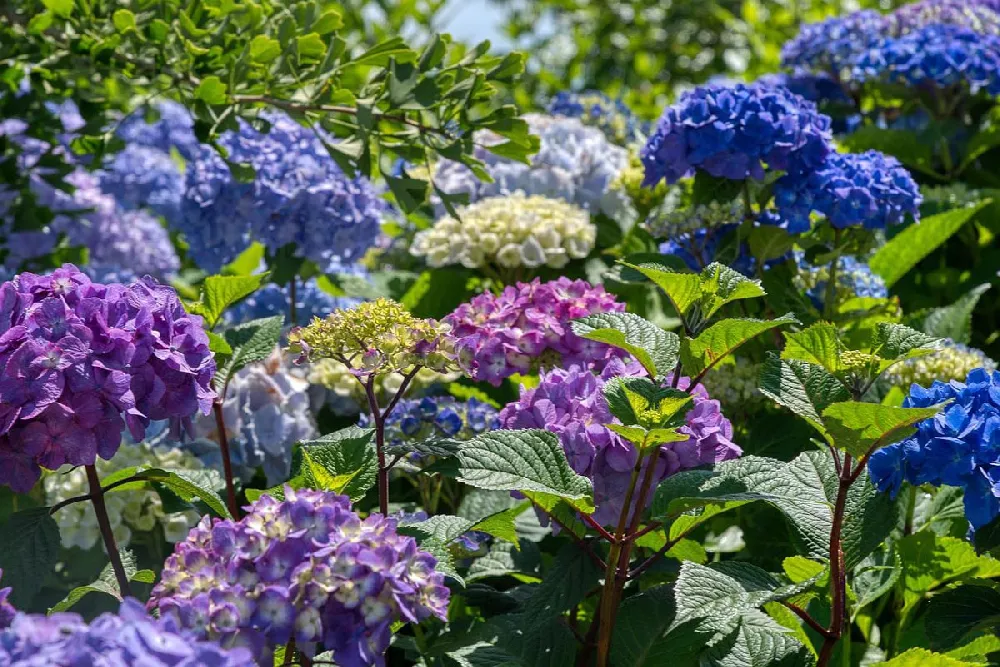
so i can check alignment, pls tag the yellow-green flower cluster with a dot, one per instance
(339, 379)
(734, 385)
(953, 362)
(376, 338)
(644, 199)
(509, 231)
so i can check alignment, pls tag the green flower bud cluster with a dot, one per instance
(953, 362)
(734, 385)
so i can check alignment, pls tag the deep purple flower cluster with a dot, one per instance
(570, 403)
(936, 56)
(969, 13)
(871, 189)
(528, 326)
(958, 447)
(81, 361)
(735, 132)
(306, 568)
(7, 611)
(129, 638)
(433, 417)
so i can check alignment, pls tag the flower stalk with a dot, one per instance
(104, 523)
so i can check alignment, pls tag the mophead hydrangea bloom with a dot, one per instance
(376, 338)
(913, 16)
(953, 361)
(957, 447)
(509, 232)
(130, 511)
(7, 611)
(130, 638)
(527, 327)
(832, 45)
(592, 107)
(144, 177)
(83, 361)
(129, 240)
(437, 417)
(854, 279)
(570, 403)
(166, 126)
(575, 163)
(870, 189)
(734, 132)
(266, 410)
(306, 568)
(311, 301)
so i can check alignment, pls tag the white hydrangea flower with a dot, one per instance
(574, 162)
(134, 510)
(953, 362)
(510, 231)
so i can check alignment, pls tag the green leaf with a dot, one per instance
(264, 49)
(682, 289)
(189, 485)
(805, 389)
(501, 524)
(955, 321)
(211, 90)
(651, 346)
(897, 341)
(218, 346)
(959, 612)
(565, 584)
(124, 20)
(394, 47)
(707, 189)
(875, 576)
(221, 292)
(310, 48)
(639, 401)
(329, 21)
(932, 561)
(818, 344)
(505, 559)
(106, 583)
(249, 343)
(61, 8)
(39, 23)
(529, 461)
(717, 342)
(29, 549)
(857, 428)
(919, 657)
(442, 528)
(898, 256)
(342, 462)
(645, 634)
(721, 285)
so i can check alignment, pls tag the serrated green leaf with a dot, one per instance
(805, 389)
(249, 343)
(682, 289)
(442, 528)
(898, 256)
(959, 612)
(106, 583)
(651, 346)
(721, 285)
(875, 576)
(202, 484)
(859, 427)
(220, 292)
(954, 322)
(932, 561)
(505, 559)
(919, 657)
(29, 549)
(343, 462)
(645, 634)
(717, 342)
(894, 341)
(529, 461)
(501, 525)
(818, 344)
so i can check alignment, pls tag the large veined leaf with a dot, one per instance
(646, 633)
(718, 341)
(220, 292)
(818, 344)
(955, 321)
(955, 613)
(858, 427)
(29, 548)
(804, 388)
(249, 343)
(651, 346)
(931, 562)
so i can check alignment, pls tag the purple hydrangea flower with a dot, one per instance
(570, 403)
(433, 417)
(306, 568)
(7, 611)
(831, 45)
(528, 325)
(129, 638)
(734, 131)
(83, 360)
(870, 189)
(960, 446)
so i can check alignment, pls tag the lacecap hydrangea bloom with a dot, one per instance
(734, 131)
(953, 361)
(84, 360)
(311, 301)
(592, 107)
(7, 611)
(734, 385)
(306, 568)
(376, 338)
(527, 326)
(854, 279)
(130, 511)
(266, 411)
(870, 189)
(570, 403)
(130, 638)
(437, 417)
(346, 396)
(509, 232)
(957, 447)
(575, 163)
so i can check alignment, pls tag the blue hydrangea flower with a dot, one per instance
(433, 417)
(832, 45)
(733, 132)
(960, 446)
(818, 87)
(144, 177)
(310, 301)
(172, 129)
(700, 248)
(854, 279)
(871, 189)
(613, 117)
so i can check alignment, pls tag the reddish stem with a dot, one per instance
(227, 463)
(104, 523)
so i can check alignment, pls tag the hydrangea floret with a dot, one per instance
(437, 417)
(527, 327)
(570, 402)
(592, 107)
(306, 568)
(954, 361)
(130, 638)
(85, 360)
(854, 279)
(509, 232)
(957, 447)
(7, 611)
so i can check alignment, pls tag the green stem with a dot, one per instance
(830, 299)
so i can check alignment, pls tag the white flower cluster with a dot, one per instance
(345, 395)
(510, 231)
(672, 220)
(575, 163)
(953, 362)
(734, 384)
(134, 510)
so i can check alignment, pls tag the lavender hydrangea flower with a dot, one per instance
(733, 131)
(7, 611)
(870, 189)
(83, 361)
(129, 638)
(306, 568)
(528, 326)
(957, 447)
(172, 129)
(569, 402)
(310, 301)
(434, 417)
(143, 177)
(592, 107)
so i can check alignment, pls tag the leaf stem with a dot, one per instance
(227, 463)
(79, 499)
(589, 520)
(292, 299)
(104, 523)
(838, 574)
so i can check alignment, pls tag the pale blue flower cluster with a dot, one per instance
(613, 117)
